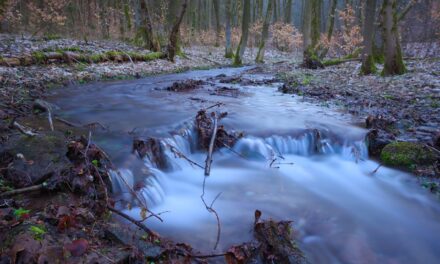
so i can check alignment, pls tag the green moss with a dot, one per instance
(407, 155)
(368, 67)
(154, 56)
(332, 62)
(39, 57)
(98, 57)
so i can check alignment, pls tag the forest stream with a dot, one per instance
(296, 161)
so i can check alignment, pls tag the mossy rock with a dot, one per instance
(407, 155)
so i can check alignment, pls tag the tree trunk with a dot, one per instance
(331, 20)
(174, 34)
(265, 33)
(228, 47)
(217, 22)
(147, 31)
(393, 54)
(288, 12)
(368, 66)
(311, 34)
(244, 33)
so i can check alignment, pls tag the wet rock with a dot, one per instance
(152, 149)
(408, 155)
(380, 122)
(377, 140)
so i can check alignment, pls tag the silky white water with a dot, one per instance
(297, 161)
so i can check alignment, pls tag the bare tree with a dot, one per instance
(265, 33)
(173, 40)
(244, 33)
(368, 66)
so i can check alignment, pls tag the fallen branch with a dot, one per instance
(208, 161)
(67, 122)
(212, 106)
(134, 221)
(33, 188)
(181, 155)
(23, 129)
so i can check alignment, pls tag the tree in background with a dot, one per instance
(311, 33)
(173, 45)
(265, 34)
(368, 65)
(393, 54)
(228, 46)
(244, 33)
(218, 26)
(146, 31)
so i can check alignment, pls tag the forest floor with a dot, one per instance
(66, 219)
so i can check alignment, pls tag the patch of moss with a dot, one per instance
(153, 56)
(39, 56)
(407, 155)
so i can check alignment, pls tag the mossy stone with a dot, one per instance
(407, 155)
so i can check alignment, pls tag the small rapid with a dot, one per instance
(296, 161)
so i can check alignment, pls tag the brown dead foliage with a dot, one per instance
(274, 243)
(152, 148)
(185, 86)
(205, 127)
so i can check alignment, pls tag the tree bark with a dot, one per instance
(288, 12)
(311, 34)
(331, 20)
(368, 66)
(228, 46)
(218, 27)
(265, 33)
(393, 54)
(147, 28)
(244, 33)
(174, 34)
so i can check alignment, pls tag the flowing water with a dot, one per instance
(297, 161)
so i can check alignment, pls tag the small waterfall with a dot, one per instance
(308, 144)
(312, 142)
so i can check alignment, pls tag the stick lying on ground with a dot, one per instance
(22, 129)
(23, 190)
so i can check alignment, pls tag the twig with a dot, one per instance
(433, 149)
(67, 122)
(213, 211)
(23, 130)
(23, 190)
(232, 150)
(181, 155)
(134, 221)
(212, 106)
(208, 161)
(375, 170)
(102, 255)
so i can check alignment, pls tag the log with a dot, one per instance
(69, 57)
(23, 190)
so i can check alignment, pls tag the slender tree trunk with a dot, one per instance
(368, 66)
(331, 20)
(265, 33)
(288, 12)
(244, 33)
(147, 32)
(174, 34)
(393, 54)
(228, 47)
(217, 22)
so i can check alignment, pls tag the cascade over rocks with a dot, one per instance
(153, 149)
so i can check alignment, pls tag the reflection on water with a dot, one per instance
(321, 178)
